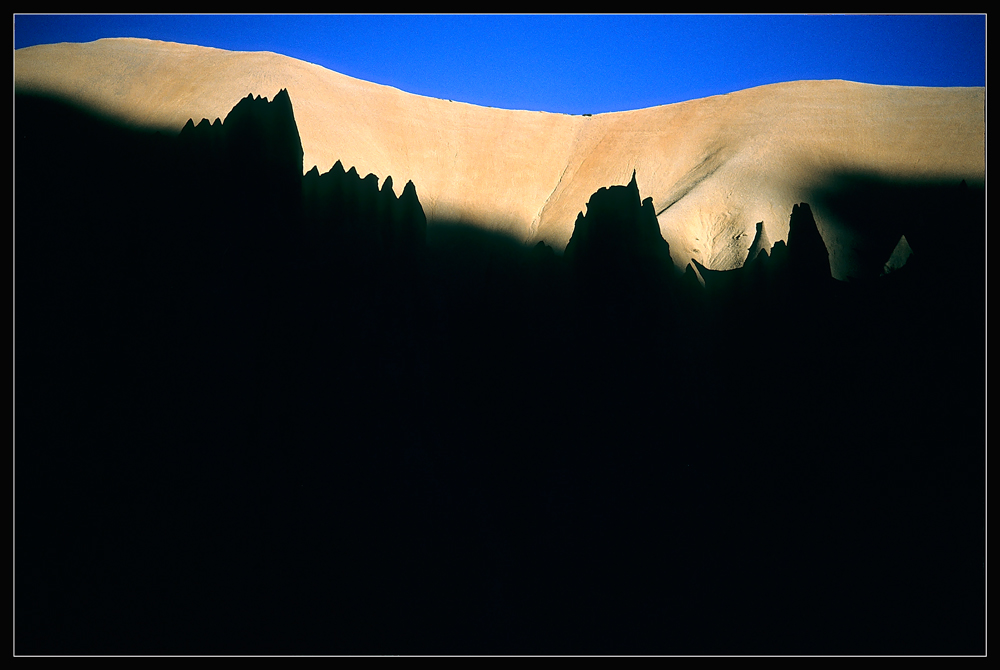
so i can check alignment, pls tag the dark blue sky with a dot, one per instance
(574, 64)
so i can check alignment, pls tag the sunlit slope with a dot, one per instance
(488, 166)
(714, 167)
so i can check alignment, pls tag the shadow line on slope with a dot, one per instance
(862, 216)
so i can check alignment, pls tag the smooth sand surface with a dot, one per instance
(714, 166)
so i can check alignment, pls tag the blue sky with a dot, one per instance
(574, 64)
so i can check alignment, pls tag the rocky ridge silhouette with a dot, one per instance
(262, 412)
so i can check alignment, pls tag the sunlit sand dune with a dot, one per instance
(714, 167)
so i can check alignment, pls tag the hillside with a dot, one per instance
(714, 167)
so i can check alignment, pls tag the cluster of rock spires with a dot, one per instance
(617, 249)
(258, 143)
(293, 416)
(258, 154)
(361, 214)
(618, 242)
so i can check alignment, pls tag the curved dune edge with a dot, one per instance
(714, 166)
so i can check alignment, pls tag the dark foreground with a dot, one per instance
(260, 413)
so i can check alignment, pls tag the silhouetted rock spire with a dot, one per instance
(260, 134)
(761, 244)
(409, 219)
(252, 160)
(900, 254)
(619, 240)
(361, 215)
(808, 257)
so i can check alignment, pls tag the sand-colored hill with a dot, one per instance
(714, 167)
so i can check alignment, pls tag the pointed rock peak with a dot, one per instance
(283, 100)
(761, 243)
(353, 172)
(900, 254)
(313, 172)
(802, 230)
(241, 109)
(337, 171)
(189, 126)
(802, 210)
(806, 249)
(370, 184)
(633, 187)
(387, 185)
(409, 192)
(618, 224)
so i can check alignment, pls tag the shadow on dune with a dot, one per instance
(261, 412)
(867, 214)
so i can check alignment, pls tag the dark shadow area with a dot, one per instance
(868, 213)
(258, 412)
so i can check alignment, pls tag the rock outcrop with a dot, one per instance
(360, 215)
(618, 241)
